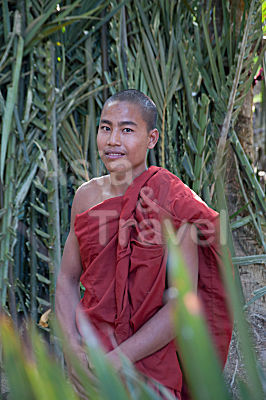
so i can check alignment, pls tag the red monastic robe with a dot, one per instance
(124, 266)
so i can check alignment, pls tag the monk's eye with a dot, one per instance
(127, 130)
(105, 128)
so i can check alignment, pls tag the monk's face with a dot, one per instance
(123, 138)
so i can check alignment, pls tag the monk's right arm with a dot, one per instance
(67, 298)
(67, 295)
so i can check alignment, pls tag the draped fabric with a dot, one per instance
(124, 259)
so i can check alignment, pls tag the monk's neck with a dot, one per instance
(119, 182)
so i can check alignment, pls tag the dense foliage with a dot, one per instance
(58, 63)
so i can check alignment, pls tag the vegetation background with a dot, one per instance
(199, 60)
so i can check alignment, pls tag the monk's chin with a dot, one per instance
(118, 165)
(121, 176)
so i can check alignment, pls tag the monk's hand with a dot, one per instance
(114, 358)
(81, 355)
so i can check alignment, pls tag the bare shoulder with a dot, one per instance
(89, 194)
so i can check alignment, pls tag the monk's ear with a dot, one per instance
(153, 137)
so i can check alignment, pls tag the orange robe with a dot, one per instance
(124, 266)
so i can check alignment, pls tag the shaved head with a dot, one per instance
(146, 105)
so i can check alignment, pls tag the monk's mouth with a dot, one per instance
(113, 155)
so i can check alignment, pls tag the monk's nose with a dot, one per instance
(114, 138)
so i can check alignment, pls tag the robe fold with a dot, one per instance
(124, 260)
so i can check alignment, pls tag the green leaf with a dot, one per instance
(10, 104)
(214, 70)
(34, 28)
(187, 166)
(258, 294)
(247, 260)
(42, 279)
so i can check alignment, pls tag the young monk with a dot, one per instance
(116, 249)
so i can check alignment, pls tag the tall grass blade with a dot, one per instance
(194, 342)
(10, 104)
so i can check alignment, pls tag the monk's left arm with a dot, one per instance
(158, 331)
